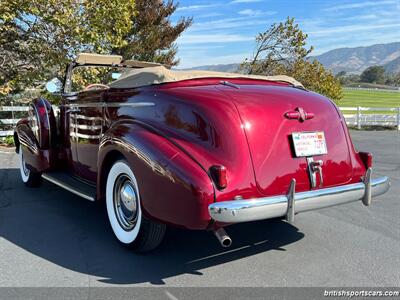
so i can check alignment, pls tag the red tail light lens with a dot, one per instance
(42, 111)
(218, 175)
(366, 158)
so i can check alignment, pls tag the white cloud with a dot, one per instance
(250, 12)
(361, 17)
(195, 7)
(244, 1)
(213, 14)
(351, 28)
(360, 5)
(228, 23)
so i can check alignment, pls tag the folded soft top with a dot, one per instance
(157, 75)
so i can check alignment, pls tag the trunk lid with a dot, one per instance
(262, 109)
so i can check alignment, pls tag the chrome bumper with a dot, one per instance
(236, 211)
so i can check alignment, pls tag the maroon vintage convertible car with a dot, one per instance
(199, 150)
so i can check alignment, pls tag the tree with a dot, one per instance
(341, 74)
(393, 79)
(152, 38)
(373, 74)
(282, 43)
(38, 38)
(281, 49)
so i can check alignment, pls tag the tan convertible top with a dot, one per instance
(157, 75)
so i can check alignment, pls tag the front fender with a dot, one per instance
(173, 188)
(36, 136)
(36, 159)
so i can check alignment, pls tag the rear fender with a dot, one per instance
(174, 189)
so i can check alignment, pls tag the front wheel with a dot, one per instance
(30, 178)
(124, 211)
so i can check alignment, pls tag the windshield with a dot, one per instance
(85, 78)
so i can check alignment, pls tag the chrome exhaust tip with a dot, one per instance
(223, 237)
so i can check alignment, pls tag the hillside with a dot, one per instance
(231, 68)
(356, 60)
(350, 60)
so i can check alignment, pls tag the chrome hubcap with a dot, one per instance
(125, 202)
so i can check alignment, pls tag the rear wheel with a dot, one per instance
(30, 178)
(124, 211)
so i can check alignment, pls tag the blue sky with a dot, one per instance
(224, 31)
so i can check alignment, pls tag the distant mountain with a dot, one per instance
(350, 60)
(393, 66)
(356, 60)
(230, 68)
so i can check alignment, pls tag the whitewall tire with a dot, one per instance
(125, 213)
(30, 178)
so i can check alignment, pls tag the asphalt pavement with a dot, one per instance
(52, 238)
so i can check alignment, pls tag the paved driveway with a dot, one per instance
(49, 237)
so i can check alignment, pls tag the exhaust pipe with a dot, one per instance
(223, 237)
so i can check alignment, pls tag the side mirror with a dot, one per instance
(115, 75)
(54, 86)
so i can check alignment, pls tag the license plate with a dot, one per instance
(309, 143)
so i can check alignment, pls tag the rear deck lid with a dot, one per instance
(271, 116)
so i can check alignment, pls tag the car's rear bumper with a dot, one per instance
(236, 211)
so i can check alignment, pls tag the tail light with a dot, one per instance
(218, 175)
(366, 158)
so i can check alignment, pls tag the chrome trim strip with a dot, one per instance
(82, 117)
(72, 110)
(48, 121)
(235, 211)
(36, 124)
(71, 97)
(86, 127)
(26, 142)
(125, 104)
(111, 104)
(67, 187)
(78, 105)
(85, 136)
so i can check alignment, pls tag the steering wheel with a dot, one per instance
(95, 86)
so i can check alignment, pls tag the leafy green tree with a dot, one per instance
(281, 49)
(341, 74)
(373, 74)
(38, 37)
(393, 79)
(153, 36)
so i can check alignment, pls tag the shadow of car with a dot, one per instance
(64, 229)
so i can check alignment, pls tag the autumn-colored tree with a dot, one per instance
(282, 50)
(38, 37)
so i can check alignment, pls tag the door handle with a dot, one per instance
(73, 110)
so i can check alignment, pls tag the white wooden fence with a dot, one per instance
(394, 90)
(381, 116)
(10, 121)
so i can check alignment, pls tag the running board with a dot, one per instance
(71, 184)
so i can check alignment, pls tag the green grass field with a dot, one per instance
(370, 98)
(354, 98)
